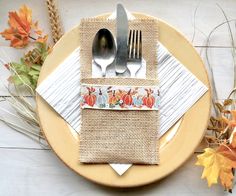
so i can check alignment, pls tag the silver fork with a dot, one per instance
(134, 52)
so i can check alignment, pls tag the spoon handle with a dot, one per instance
(103, 71)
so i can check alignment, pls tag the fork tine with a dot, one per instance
(134, 52)
(133, 45)
(136, 45)
(140, 44)
(129, 44)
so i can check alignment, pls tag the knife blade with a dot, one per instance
(121, 39)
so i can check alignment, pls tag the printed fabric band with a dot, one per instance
(120, 97)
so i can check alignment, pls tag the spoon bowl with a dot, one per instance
(104, 49)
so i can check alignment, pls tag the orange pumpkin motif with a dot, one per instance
(149, 100)
(90, 98)
(127, 98)
(113, 98)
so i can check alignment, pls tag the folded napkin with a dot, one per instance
(180, 89)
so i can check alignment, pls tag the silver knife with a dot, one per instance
(121, 39)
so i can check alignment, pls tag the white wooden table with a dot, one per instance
(27, 169)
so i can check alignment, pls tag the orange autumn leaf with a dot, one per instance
(231, 123)
(21, 21)
(42, 39)
(226, 178)
(229, 152)
(232, 138)
(233, 141)
(21, 27)
(19, 42)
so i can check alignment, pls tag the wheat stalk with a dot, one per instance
(54, 20)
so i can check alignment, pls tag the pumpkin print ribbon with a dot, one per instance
(120, 97)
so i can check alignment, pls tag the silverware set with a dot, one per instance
(125, 52)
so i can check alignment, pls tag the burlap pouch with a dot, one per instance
(114, 136)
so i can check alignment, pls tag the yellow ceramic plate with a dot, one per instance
(173, 153)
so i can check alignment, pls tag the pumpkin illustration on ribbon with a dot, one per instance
(149, 99)
(90, 98)
(101, 99)
(112, 99)
(127, 98)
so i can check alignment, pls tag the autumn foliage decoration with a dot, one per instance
(22, 29)
(219, 159)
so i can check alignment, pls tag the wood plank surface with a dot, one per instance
(39, 172)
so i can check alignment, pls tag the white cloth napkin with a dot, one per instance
(179, 90)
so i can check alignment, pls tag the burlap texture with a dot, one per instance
(89, 28)
(109, 136)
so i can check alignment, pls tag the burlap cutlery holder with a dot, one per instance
(115, 136)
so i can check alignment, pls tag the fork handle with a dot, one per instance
(132, 74)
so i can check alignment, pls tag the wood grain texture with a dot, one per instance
(27, 172)
(35, 172)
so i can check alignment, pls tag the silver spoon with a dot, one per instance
(103, 49)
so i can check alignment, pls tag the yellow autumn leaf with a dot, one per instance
(210, 160)
(216, 165)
